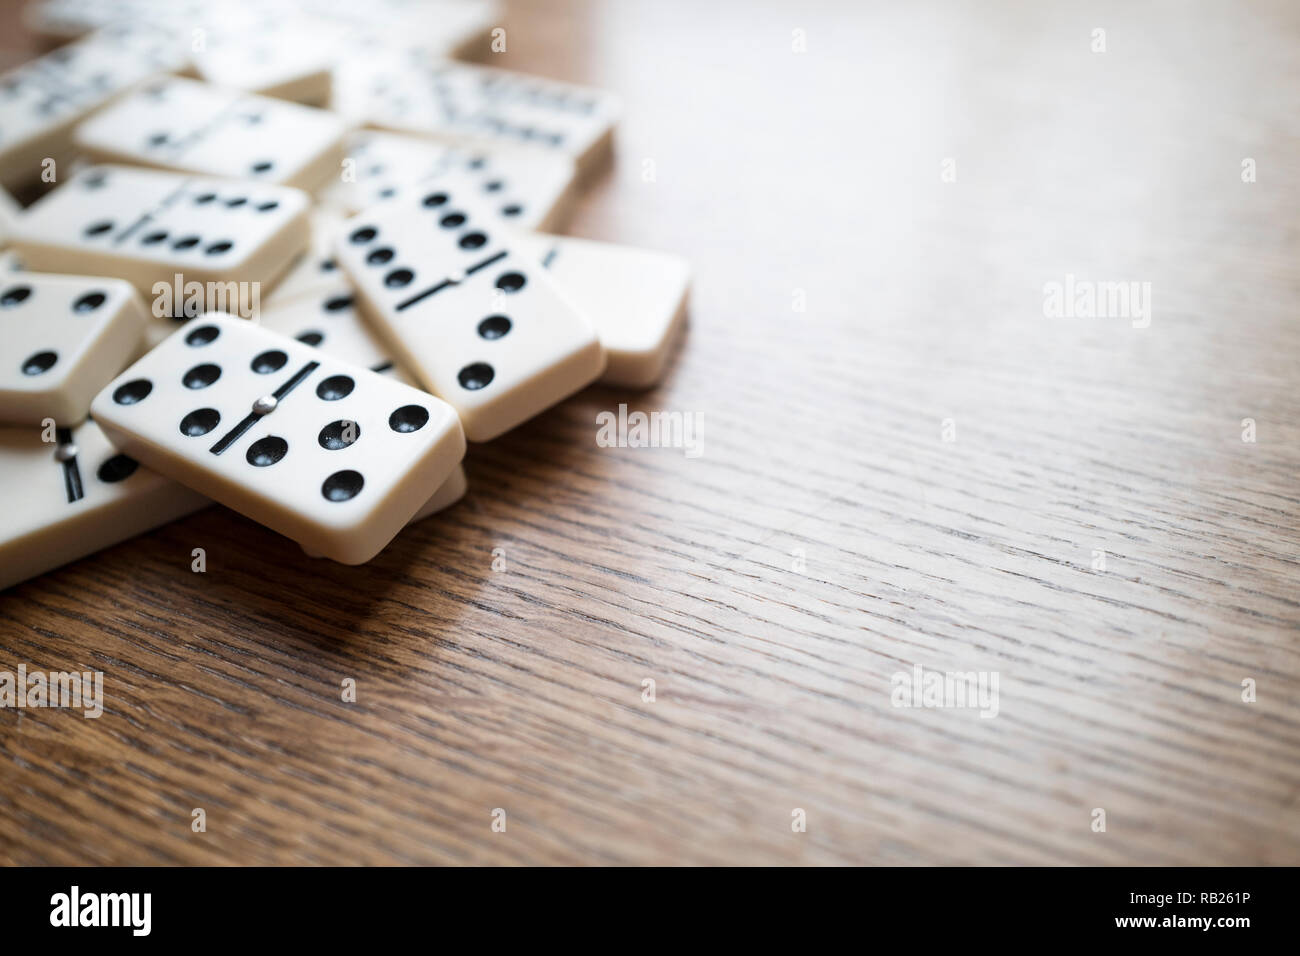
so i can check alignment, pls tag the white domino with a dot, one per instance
(290, 50)
(431, 29)
(289, 59)
(327, 319)
(257, 47)
(448, 493)
(41, 101)
(528, 190)
(147, 226)
(191, 127)
(466, 103)
(62, 339)
(78, 494)
(480, 324)
(635, 298)
(332, 455)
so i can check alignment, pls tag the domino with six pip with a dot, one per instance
(64, 338)
(476, 321)
(327, 319)
(147, 226)
(191, 127)
(332, 455)
(635, 299)
(78, 494)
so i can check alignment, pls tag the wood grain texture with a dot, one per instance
(779, 173)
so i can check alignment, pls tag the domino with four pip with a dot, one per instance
(330, 454)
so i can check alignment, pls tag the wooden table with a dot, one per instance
(905, 461)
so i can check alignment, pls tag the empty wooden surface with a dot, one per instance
(814, 179)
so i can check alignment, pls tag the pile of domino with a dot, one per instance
(290, 257)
